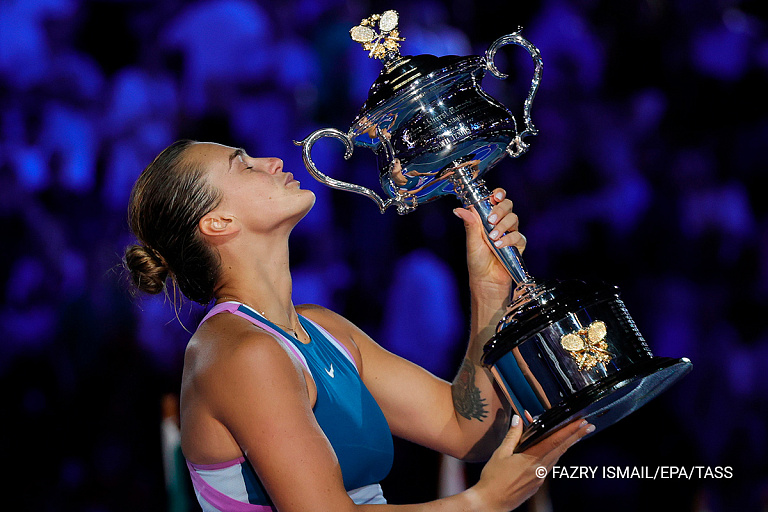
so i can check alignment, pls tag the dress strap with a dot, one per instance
(243, 311)
(230, 307)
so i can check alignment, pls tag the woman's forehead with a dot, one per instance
(210, 148)
(211, 154)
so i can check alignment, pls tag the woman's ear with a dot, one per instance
(218, 224)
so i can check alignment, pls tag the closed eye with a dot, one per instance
(239, 153)
(240, 157)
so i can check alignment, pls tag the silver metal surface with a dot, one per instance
(518, 147)
(437, 118)
(540, 374)
(533, 360)
(307, 144)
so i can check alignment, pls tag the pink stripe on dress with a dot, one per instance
(220, 500)
(218, 465)
(218, 308)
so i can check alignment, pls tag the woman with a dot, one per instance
(291, 408)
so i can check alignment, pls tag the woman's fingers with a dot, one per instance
(505, 222)
(508, 478)
(498, 195)
(550, 449)
(515, 238)
(512, 236)
(500, 210)
(507, 446)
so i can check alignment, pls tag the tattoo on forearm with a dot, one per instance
(492, 438)
(466, 395)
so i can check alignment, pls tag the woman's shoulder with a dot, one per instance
(226, 343)
(233, 374)
(331, 321)
(224, 332)
(313, 311)
(338, 326)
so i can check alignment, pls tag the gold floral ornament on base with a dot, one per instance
(379, 44)
(588, 346)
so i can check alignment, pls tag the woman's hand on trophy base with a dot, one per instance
(509, 478)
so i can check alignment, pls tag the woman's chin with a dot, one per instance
(308, 198)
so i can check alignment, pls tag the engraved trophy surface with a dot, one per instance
(564, 349)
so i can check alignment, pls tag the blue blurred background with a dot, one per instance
(646, 174)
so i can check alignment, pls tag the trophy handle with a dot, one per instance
(517, 147)
(307, 144)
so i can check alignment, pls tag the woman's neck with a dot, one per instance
(259, 276)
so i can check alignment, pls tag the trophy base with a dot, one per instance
(569, 350)
(606, 402)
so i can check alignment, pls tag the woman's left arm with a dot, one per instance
(482, 412)
(469, 417)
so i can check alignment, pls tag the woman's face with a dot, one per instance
(255, 191)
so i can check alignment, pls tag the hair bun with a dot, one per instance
(147, 267)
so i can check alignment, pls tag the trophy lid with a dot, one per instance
(399, 70)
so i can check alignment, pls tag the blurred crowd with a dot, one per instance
(646, 174)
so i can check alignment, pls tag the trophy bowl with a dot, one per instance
(426, 116)
(564, 349)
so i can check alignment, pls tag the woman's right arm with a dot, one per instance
(260, 394)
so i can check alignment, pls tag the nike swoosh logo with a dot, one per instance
(330, 372)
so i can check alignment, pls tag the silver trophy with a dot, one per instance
(564, 349)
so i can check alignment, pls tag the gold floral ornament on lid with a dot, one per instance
(386, 41)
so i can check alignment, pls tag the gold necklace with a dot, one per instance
(262, 313)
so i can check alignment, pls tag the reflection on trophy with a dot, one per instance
(564, 349)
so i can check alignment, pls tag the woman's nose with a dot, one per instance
(273, 165)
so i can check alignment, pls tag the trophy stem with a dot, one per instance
(473, 192)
